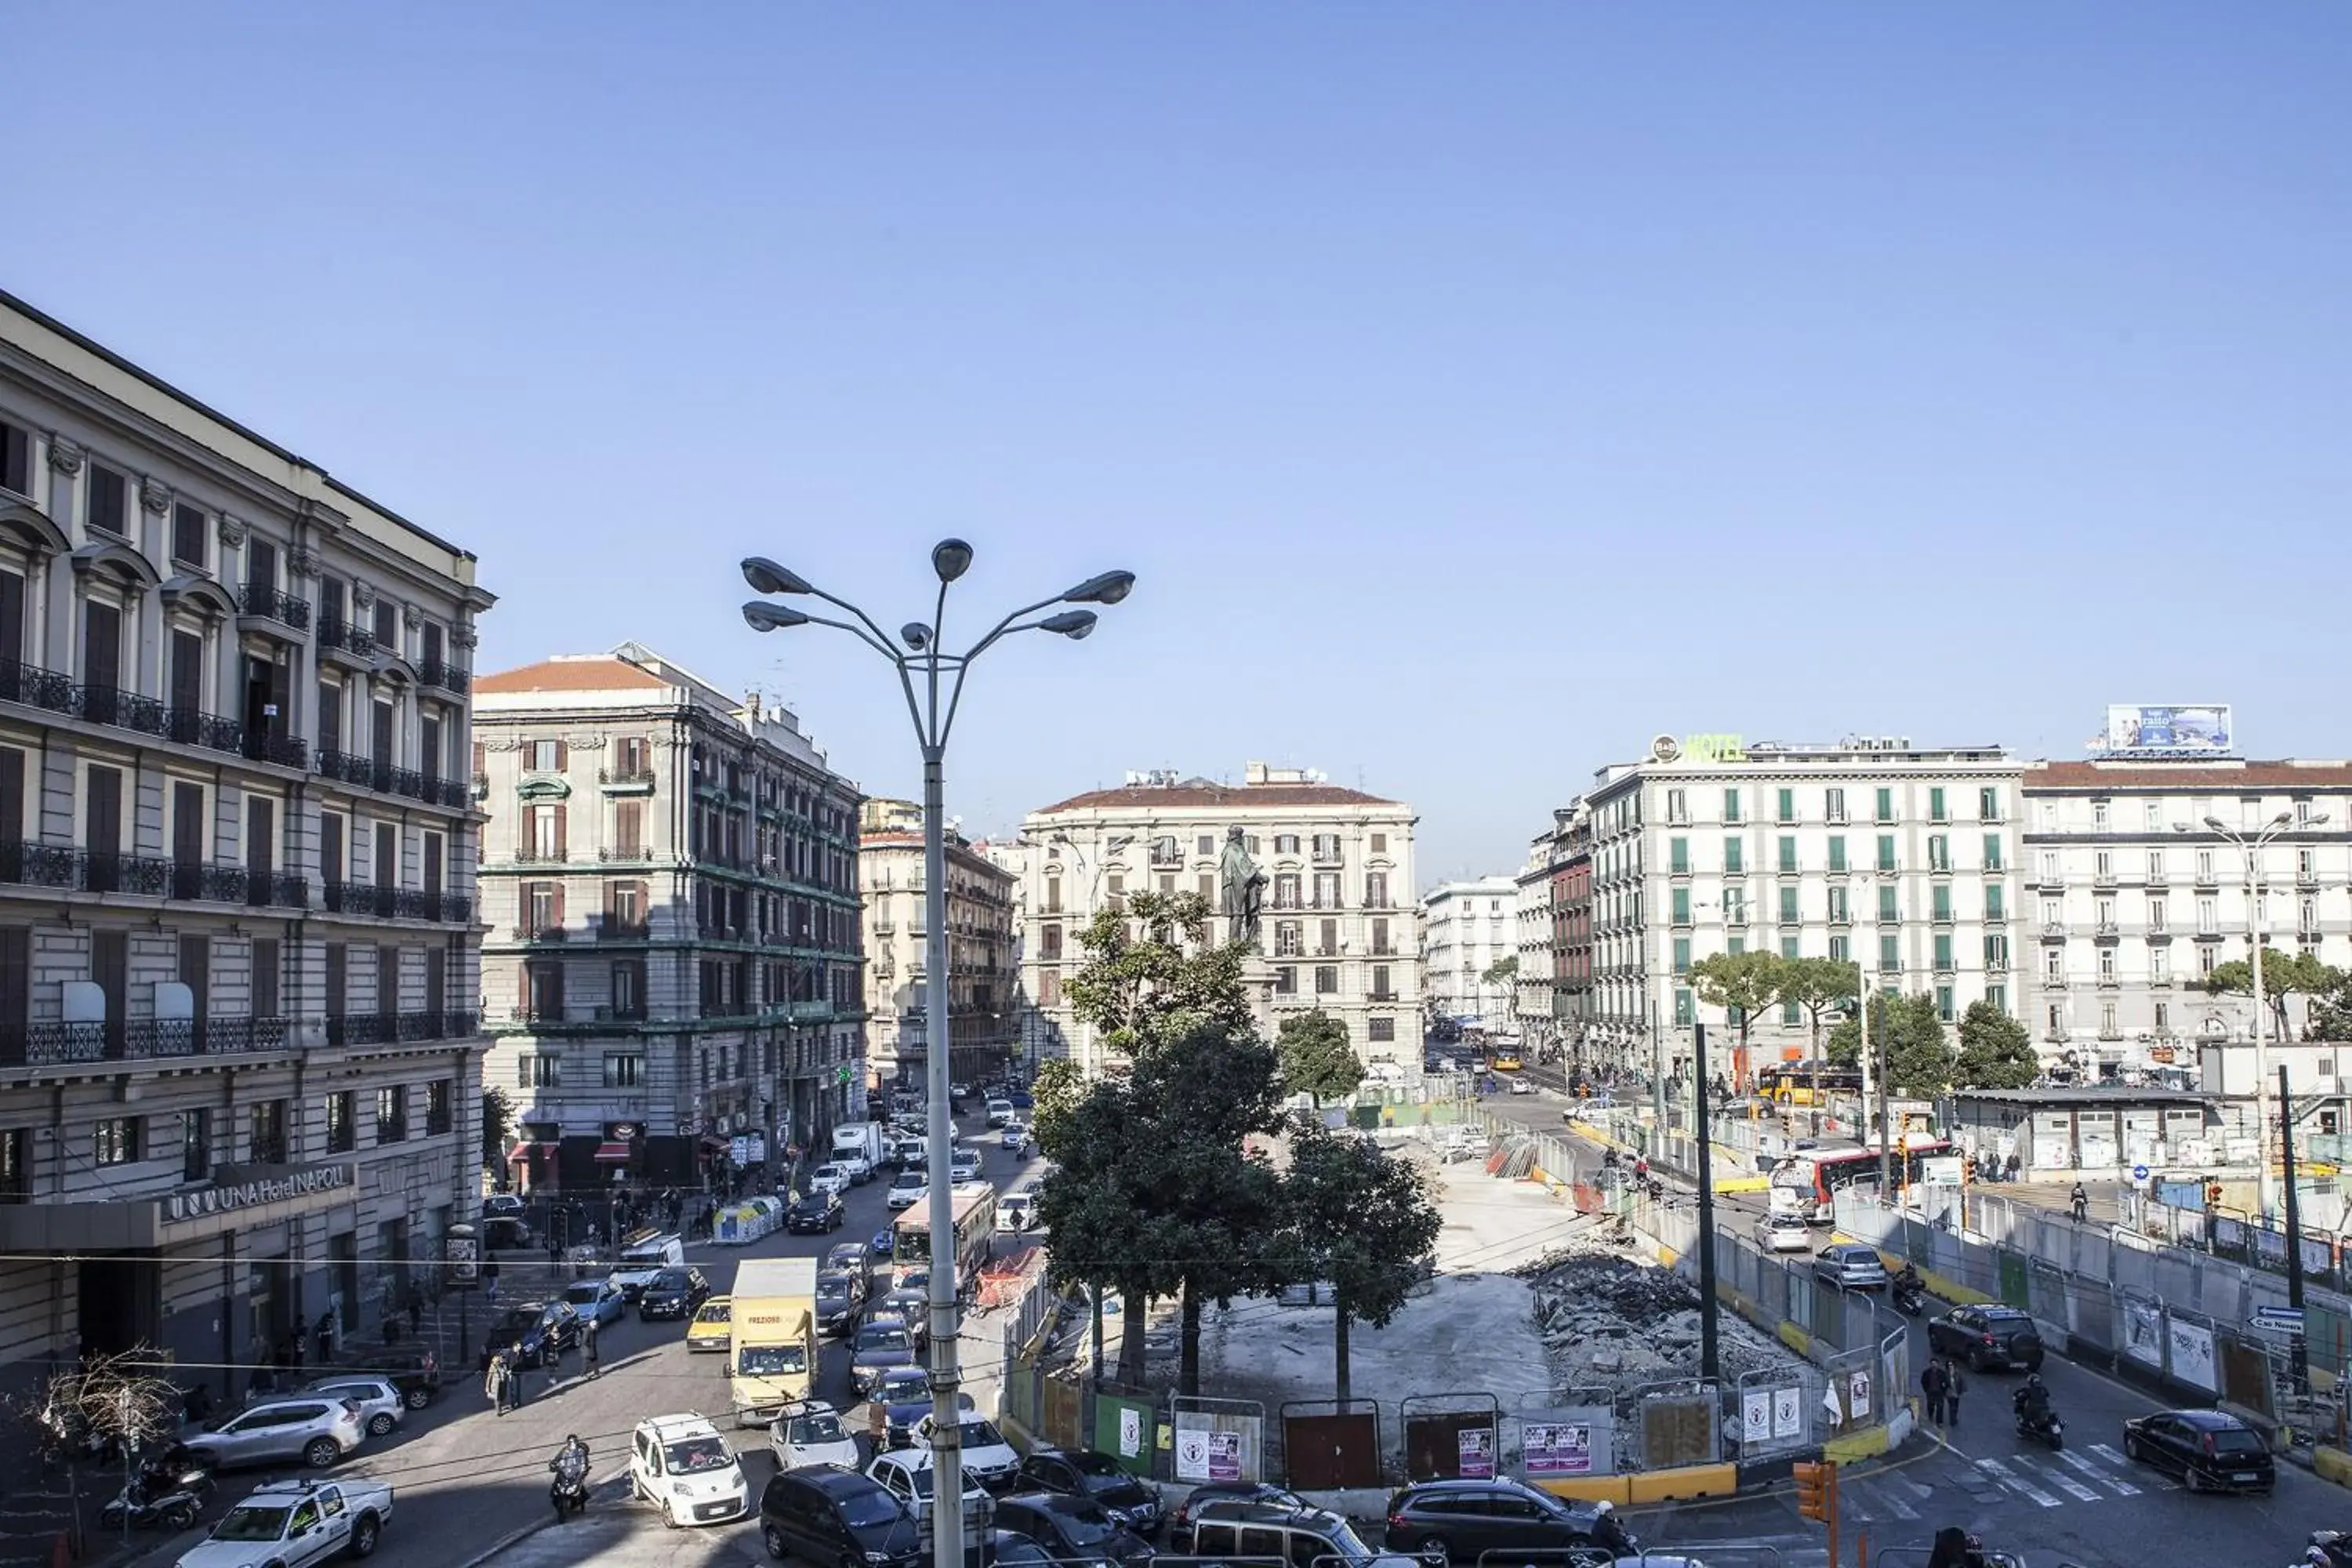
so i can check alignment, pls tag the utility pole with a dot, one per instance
(2299, 1347)
(1708, 1364)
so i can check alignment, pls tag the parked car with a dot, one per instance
(908, 1185)
(598, 1299)
(907, 1474)
(988, 1458)
(848, 1258)
(820, 1514)
(713, 1326)
(1006, 1550)
(1084, 1472)
(316, 1430)
(1465, 1519)
(1071, 1529)
(295, 1524)
(810, 1432)
(1784, 1233)
(2210, 1450)
(537, 1332)
(507, 1206)
(816, 1215)
(1850, 1266)
(1293, 1534)
(673, 1293)
(839, 1298)
(1180, 1519)
(685, 1468)
(381, 1407)
(1987, 1337)
(413, 1368)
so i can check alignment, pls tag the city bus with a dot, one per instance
(1807, 1083)
(1807, 1185)
(975, 1233)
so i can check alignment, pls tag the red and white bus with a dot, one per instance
(975, 1237)
(1808, 1183)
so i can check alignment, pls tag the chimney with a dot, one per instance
(1253, 773)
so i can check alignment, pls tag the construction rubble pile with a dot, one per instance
(1610, 1321)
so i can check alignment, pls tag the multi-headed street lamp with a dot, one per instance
(923, 671)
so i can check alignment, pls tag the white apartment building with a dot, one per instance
(1336, 928)
(1899, 857)
(1468, 928)
(670, 880)
(2135, 898)
(1533, 937)
(984, 1021)
(240, 1065)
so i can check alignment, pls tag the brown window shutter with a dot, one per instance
(562, 757)
(560, 817)
(556, 894)
(645, 904)
(523, 997)
(481, 757)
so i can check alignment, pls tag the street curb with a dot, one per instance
(520, 1533)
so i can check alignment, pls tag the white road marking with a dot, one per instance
(2121, 1488)
(2025, 1489)
(2065, 1482)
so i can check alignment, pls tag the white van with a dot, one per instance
(1000, 1111)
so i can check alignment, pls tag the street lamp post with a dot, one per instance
(2250, 856)
(925, 664)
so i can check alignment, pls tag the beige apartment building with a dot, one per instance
(983, 1022)
(1337, 921)
(669, 876)
(239, 1060)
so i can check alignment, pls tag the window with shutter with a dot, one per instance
(12, 794)
(560, 818)
(481, 757)
(16, 459)
(188, 535)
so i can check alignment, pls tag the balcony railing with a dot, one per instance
(106, 871)
(277, 891)
(195, 727)
(52, 1042)
(538, 934)
(336, 632)
(388, 1029)
(274, 603)
(623, 931)
(207, 881)
(626, 778)
(22, 682)
(231, 1036)
(123, 710)
(449, 677)
(396, 903)
(529, 854)
(269, 746)
(626, 853)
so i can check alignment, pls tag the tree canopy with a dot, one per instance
(498, 1120)
(1317, 1057)
(1501, 970)
(1819, 986)
(1911, 1036)
(1995, 1051)
(1744, 983)
(1151, 973)
(1356, 1216)
(2284, 975)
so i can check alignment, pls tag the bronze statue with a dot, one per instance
(1242, 886)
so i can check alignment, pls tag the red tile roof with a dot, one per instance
(1181, 796)
(2219, 776)
(571, 675)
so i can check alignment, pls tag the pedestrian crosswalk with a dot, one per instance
(2092, 1474)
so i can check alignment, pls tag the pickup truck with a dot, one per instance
(294, 1525)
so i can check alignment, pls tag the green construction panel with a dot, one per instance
(2015, 1289)
(1367, 1116)
(1124, 1430)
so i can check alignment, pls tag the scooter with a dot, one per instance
(1909, 1299)
(569, 1491)
(174, 1505)
(2049, 1429)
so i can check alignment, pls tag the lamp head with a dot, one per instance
(2215, 823)
(2184, 827)
(1074, 624)
(2318, 819)
(950, 557)
(915, 635)
(1104, 588)
(766, 577)
(763, 616)
(2283, 819)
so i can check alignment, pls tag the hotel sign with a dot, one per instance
(228, 1196)
(1713, 749)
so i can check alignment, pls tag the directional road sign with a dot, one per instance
(2288, 1320)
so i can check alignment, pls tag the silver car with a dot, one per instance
(1850, 1266)
(318, 1431)
(381, 1406)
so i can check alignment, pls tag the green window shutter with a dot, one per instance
(1887, 851)
(1788, 805)
(1993, 851)
(1682, 906)
(1679, 856)
(1989, 803)
(1787, 947)
(1998, 996)
(1936, 806)
(1838, 950)
(1791, 1014)
(1886, 806)
(1731, 805)
(1736, 945)
(1734, 856)
(1941, 902)
(1787, 906)
(1837, 852)
(1993, 897)
(1944, 1003)
(1684, 1016)
(1887, 913)
(1682, 955)
(1787, 852)
(1943, 950)
(1890, 954)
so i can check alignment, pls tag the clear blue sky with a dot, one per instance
(1478, 390)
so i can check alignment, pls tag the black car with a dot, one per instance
(822, 1513)
(1006, 1550)
(537, 1332)
(1072, 1529)
(1082, 1472)
(673, 1293)
(817, 1213)
(410, 1368)
(1465, 1519)
(849, 1257)
(1180, 1519)
(839, 1298)
(1987, 1337)
(2210, 1450)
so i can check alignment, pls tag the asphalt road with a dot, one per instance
(2088, 1505)
(467, 1479)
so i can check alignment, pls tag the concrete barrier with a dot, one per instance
(1584, 1489)
(2332, 1465)
(1682, 1484)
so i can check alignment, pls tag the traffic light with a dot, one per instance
(1816, 1490)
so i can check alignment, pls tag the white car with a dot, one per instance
(907, 1190)
(905, 1474)
(810, 1432)
(965, 1167)
(1519, 1085)
(1017, 1137)
(685, 1468)
(1784, 1233)
(1000, 1111)
(987, 1456)
(831, 1177)
(296, 1523)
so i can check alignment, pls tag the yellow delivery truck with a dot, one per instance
(772, 1312)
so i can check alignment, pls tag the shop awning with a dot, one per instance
(522, 1152)
(613, 1153)
(716, 1145)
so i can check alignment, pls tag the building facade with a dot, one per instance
(1337, 924)
(983, 1020)
(2137, 900)
(675, 981)
(1572, 927)
(1901, 858)
(240, 1077)
(1532, 935)
(1467, 928)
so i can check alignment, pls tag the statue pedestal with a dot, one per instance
(1257, 983)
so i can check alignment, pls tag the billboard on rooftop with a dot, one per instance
(2197, 729)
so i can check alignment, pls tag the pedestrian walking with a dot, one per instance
(325, 1334)
(518, 1370)
(494, 1380)
(415, 1309)
(2080, 1199)
(1932, 1386)
(1954, 1387)
(2013, 1167)
(588, 1348)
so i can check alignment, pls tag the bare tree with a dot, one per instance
(105, 1409)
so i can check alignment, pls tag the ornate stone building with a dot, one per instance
(984, 1016)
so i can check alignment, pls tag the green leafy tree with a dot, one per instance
(1744, 983)
(1151, 973)
(1054, 1094)
(498, 1121)
(2330, 1017)
(1317, 1057)
(2284, 975)
(1995, 1052)
(1907, 1035)
(1357, 1218)
(1819, 986)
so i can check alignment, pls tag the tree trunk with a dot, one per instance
(1131, 1339)
(1188, 1366)
(1339, 1320)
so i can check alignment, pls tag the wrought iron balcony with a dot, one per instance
(22, 682)
(529, 854)
(40, 865)
(623, 931)
(231, 1036)
(52, 1042)
(195, 727)
(159, 1037)
(111, 871)
(272, 746)
(273, 604)
(276, 890)
(122, 710)
(457, 792)
(449, 677)
(407, 782)
(626, 778)
(336, 632)
(208, 881)
(548, 934)
(363, 1028)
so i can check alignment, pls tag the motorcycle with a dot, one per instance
(2046, 1427)
(171, 1501)
(569, 1491)
(1909, 1299)
(2327, 1549)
